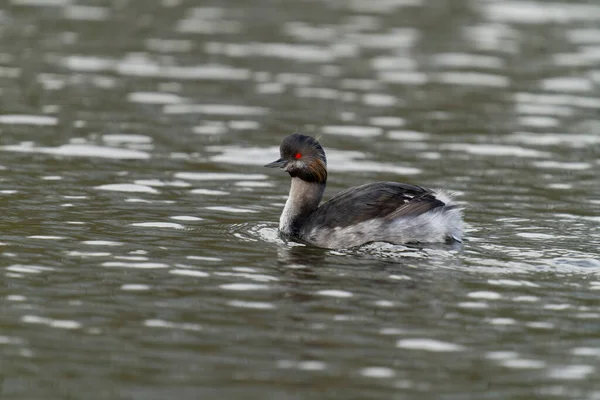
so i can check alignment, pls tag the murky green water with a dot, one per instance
(140, 256)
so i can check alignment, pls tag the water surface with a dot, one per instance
(140, 251)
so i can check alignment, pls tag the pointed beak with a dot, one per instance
(281, 163)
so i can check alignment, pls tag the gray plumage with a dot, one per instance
(375, 212)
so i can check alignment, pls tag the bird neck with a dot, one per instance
(303, 200)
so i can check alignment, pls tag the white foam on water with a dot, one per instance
(22, 119)
(127, 187)
(171, 225)
(306, 365)
(203, 258)
(428, 345)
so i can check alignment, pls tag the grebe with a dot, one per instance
(390, 212)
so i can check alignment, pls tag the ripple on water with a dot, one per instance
(127, 187)
(495, 150)
(335, 293)
(54, 323)
(529, 12)
(135, 265)
(257, 305)
(102, 243)
(28, 269)
(22, 119)
(80, 150)
(306, 365)
(159, 323)
(377, 372)
(473, 79)
(171, 225)
(209, 192)
(572, 372)
(215, 176)
(352, 130)
(135, 287)
(189, 272)
(214, 109)
(244, 286)
(227, 209)
(428, 345)
(155, 98)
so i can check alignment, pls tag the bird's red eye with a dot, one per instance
(298, 155)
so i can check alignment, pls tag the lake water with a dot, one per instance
(140, 254)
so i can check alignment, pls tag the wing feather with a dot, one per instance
(387, 200)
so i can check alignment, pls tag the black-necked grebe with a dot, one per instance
(375, 212)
